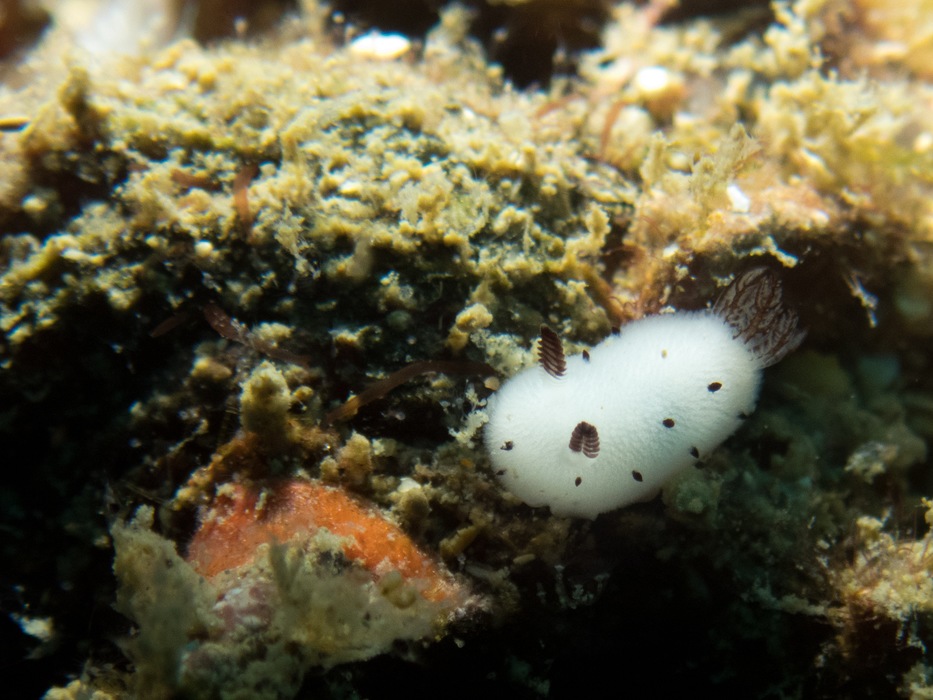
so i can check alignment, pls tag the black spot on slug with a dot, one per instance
(586, 356)
(501, 472)
(578, 481)
(507, 445)
(616, 330)
(743, 416)
(695, 453)
(637, 476)
(668, 422)
(714, 387)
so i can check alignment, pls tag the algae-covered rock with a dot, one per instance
(289, 260)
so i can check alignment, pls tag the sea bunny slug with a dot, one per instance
(600, 430)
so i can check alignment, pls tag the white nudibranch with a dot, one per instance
(597, 431)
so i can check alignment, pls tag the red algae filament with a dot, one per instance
(241, 183)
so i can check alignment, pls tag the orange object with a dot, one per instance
(238, 523)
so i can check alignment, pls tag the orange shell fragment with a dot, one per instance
(244, 517)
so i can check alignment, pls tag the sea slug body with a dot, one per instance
(600, 430)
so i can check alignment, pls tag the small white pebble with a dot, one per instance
(41, 628)
(203, 249)
(923, 142)
(406, 483)
(740, 203)
(351, 188)
(652, 79)
(380, 47)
